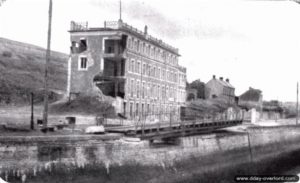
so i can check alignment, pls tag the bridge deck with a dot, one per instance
(171, 129)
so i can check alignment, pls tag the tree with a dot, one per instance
(200, 87)
(2, 1)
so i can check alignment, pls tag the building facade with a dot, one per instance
(220, 88)
(141, 72)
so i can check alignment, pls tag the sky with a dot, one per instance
(253, 43)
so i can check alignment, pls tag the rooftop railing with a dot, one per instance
(123, 25)
(77, 26)
(81, 26)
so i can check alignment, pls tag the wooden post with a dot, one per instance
(32, 115)
(48, 54)
(250, 148)
(170, 120)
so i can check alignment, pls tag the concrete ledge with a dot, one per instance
(58, 138)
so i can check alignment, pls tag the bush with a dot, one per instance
(7, 54)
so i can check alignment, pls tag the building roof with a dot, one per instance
(251, 95)
(122, 26)
(222, 82)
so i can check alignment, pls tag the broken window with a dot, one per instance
(83, 45)
(83, 63)
(78, 47)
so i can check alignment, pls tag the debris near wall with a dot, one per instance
(85, 105)
(200, 108)
(211, 105)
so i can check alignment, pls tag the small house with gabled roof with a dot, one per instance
(220, 88)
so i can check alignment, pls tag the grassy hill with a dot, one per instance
(22, 72)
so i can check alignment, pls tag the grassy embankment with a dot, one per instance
(22, 72)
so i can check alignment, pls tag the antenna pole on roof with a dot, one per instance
(120, 10)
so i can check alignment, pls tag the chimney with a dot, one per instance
(214, 76)
(227, 80)
(221, 78)
(146, 30)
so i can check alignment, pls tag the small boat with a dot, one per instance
(131, 139)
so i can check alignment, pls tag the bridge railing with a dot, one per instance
(143, 121)
(172, 119)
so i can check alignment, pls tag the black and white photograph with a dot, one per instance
(149, 91)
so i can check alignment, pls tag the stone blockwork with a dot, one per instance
(264, 142)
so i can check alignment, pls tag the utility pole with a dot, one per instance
(45, 114)
(297, 104)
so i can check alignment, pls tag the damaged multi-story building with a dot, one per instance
(139, 71)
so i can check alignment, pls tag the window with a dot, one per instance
(143, 90)
(158, 74)
(131, 109)
(149, 90)
(144, 48)
(149, 70)
(128, 87)
(167, 92)
(158, 92)
(82, 63)
(132, 87)
(151, 51)
(132, 65)
(129, 43)
(141, 47)
(137, 89)
(137, 109)
(138, 46)
(129, 66)
(148, 50)
(144, 69)
(83, 44)
(138, 67)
